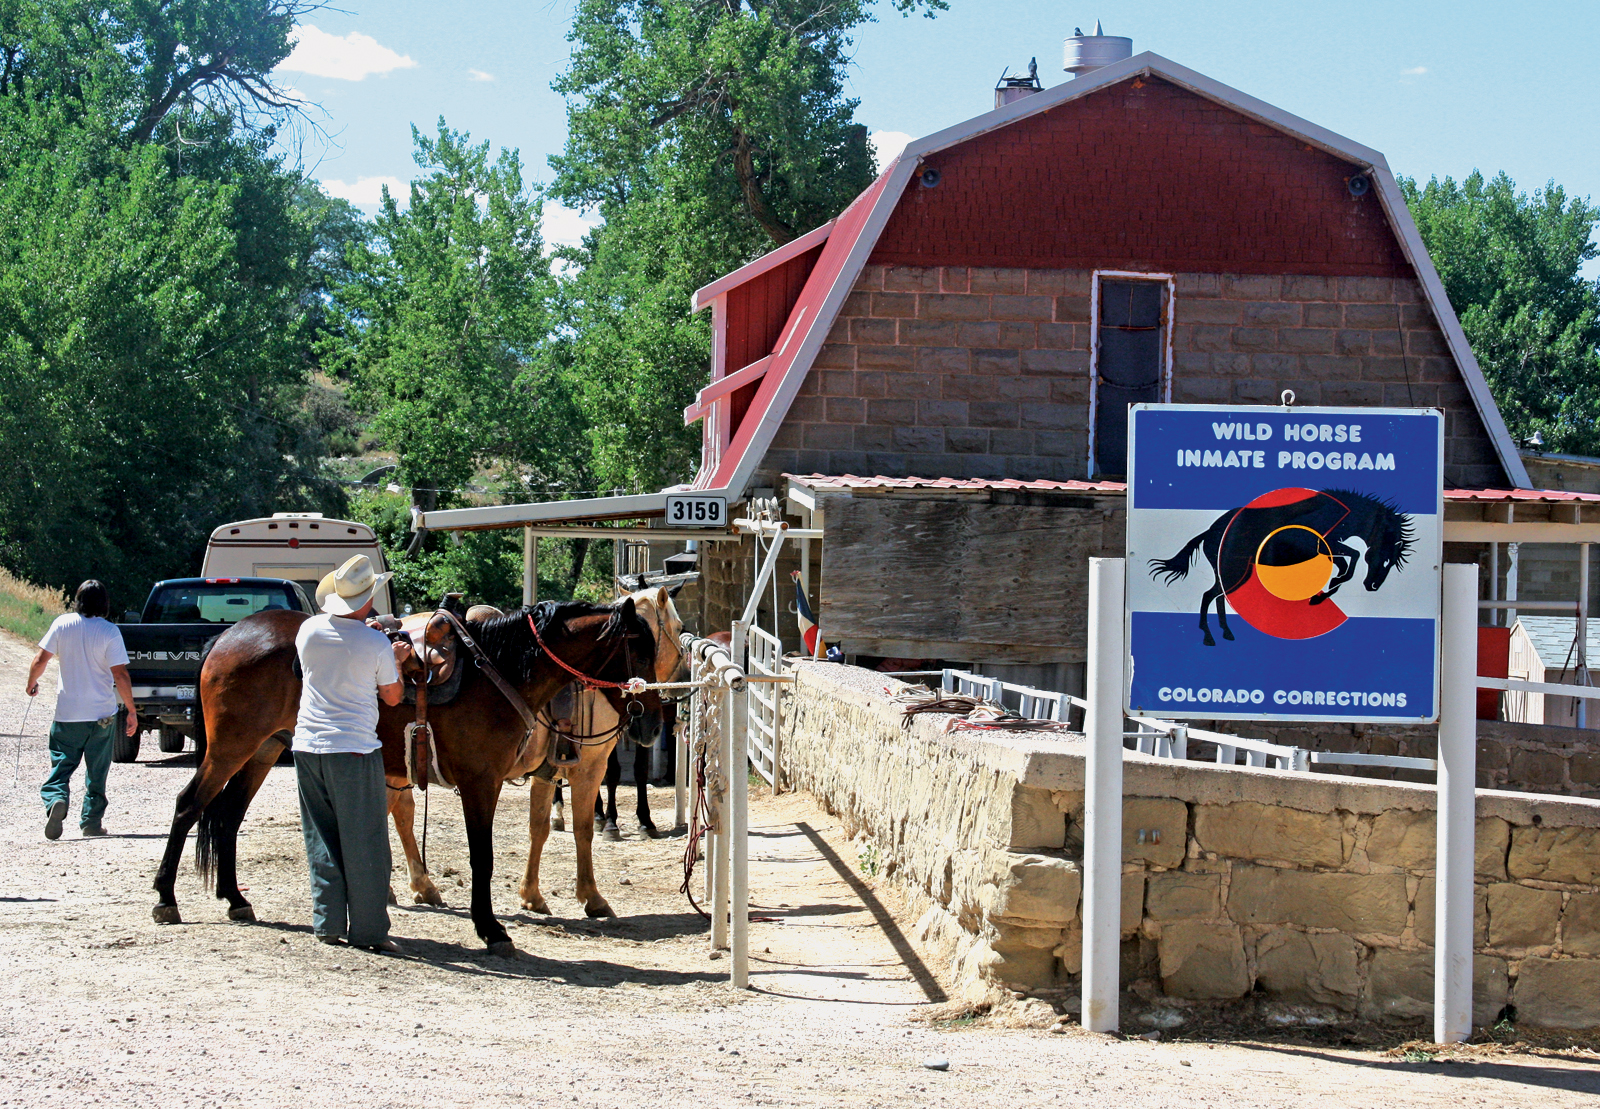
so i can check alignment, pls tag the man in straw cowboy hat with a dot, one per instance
(338, 758)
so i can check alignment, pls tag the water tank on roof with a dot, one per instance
(1086, 53)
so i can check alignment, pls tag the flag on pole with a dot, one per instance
(809, 635)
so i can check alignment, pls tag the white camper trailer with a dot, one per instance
(299, 546)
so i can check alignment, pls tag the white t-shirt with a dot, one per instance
(344, 663)
(87, 648)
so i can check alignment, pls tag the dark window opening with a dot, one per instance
(1128, 368)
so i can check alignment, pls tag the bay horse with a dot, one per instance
(249, 694)
(1291, 528)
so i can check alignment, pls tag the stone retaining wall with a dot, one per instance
(1311, 889)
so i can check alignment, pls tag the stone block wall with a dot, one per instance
(1310, 889)
(984, 372)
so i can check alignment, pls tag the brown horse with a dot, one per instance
(249, 695)
(595, 715)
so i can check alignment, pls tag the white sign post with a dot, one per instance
(1457, 807)
(1102, 798)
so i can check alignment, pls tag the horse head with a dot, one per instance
(655, 608)
(1388, 546)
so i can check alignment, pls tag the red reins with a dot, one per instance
(586, 680)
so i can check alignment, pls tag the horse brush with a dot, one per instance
(16, 770)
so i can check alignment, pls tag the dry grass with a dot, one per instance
(27, 609)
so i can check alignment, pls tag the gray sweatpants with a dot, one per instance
(343, 814)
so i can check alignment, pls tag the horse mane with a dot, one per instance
(510, 644)
(1405, 535)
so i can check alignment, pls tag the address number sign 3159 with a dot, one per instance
(691, 511)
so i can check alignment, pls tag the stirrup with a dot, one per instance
(559, 749)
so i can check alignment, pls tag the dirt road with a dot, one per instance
(99, 1006)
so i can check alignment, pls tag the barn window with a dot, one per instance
(1130, 361)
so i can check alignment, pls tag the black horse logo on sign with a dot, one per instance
(1280, 558)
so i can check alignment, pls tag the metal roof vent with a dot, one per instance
(1014, 86)
(1086, 53)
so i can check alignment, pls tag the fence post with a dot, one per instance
(738, 808)
(1457, 817)
(730, 751)
(1102, 805)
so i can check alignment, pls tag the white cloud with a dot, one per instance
(350, 57)
(367, 192)
(1414, 71)
(886, 146)
(479, 75)
(564, 226)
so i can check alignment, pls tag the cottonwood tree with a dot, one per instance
(1511, 263)
(704, 132)
(152, 270)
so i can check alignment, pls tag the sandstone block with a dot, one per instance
(1555, 854)
(1203, 961)
(1019, 967)
(1039, 887)
(1494, 834)
(1358, 903)
(1401, 837)
(1522, 917)
(1400, 986)
(1321, 969)
(1165, 824)
(1035, 821)
(1559, 993)
(1249, 830)
(1132, 902)
(1580, 925)
(1177, 895)
(1427, 908)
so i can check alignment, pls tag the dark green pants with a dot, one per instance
(344, 816)
(72, 742)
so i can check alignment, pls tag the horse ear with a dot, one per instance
(662, 599)
(676, 589)
(625, 610)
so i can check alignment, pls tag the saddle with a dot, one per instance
(437, 641)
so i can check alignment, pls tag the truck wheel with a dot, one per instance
(170, 740)
(124, 747)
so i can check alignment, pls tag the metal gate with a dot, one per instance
(765, 660)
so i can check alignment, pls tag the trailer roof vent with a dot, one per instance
(1087, 53)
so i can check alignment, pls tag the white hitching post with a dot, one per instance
(724, 838)
(738, 809)
(1102, 802)
(1457, 805)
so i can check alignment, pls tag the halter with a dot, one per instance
(584, 679)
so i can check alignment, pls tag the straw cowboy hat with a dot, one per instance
(350, 587)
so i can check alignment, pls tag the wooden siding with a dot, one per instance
(757, 311)
(1143, 175)
(964, 578)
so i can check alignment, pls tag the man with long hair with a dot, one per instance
(94, 673)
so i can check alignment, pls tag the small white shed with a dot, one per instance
(1544, 649)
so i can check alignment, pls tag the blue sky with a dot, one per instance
(1439, 87)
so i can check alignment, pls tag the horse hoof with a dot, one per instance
(166, 914)
(536, 905)
(557, 824)
(600, 910)
(1228, 636)
(429, 896)
(612, 833)
(503, 949)
(245, 913)
(650, 830)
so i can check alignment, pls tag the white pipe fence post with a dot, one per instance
(1457, 815)
(1102, 806)
(530, 567)
(738, 818)
(719, 897)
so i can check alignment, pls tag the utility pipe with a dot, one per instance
(1102, 806)
(1457, 802)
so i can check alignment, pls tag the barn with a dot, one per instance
(934, 384)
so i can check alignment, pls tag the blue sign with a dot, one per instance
(1284, 563)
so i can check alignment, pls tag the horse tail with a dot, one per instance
(1178, 565)
(224, 813)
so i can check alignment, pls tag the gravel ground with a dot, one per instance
(100, 1006)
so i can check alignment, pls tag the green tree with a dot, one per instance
(1510, 263)
(704, 132)
(446, 310)
(153, 265)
